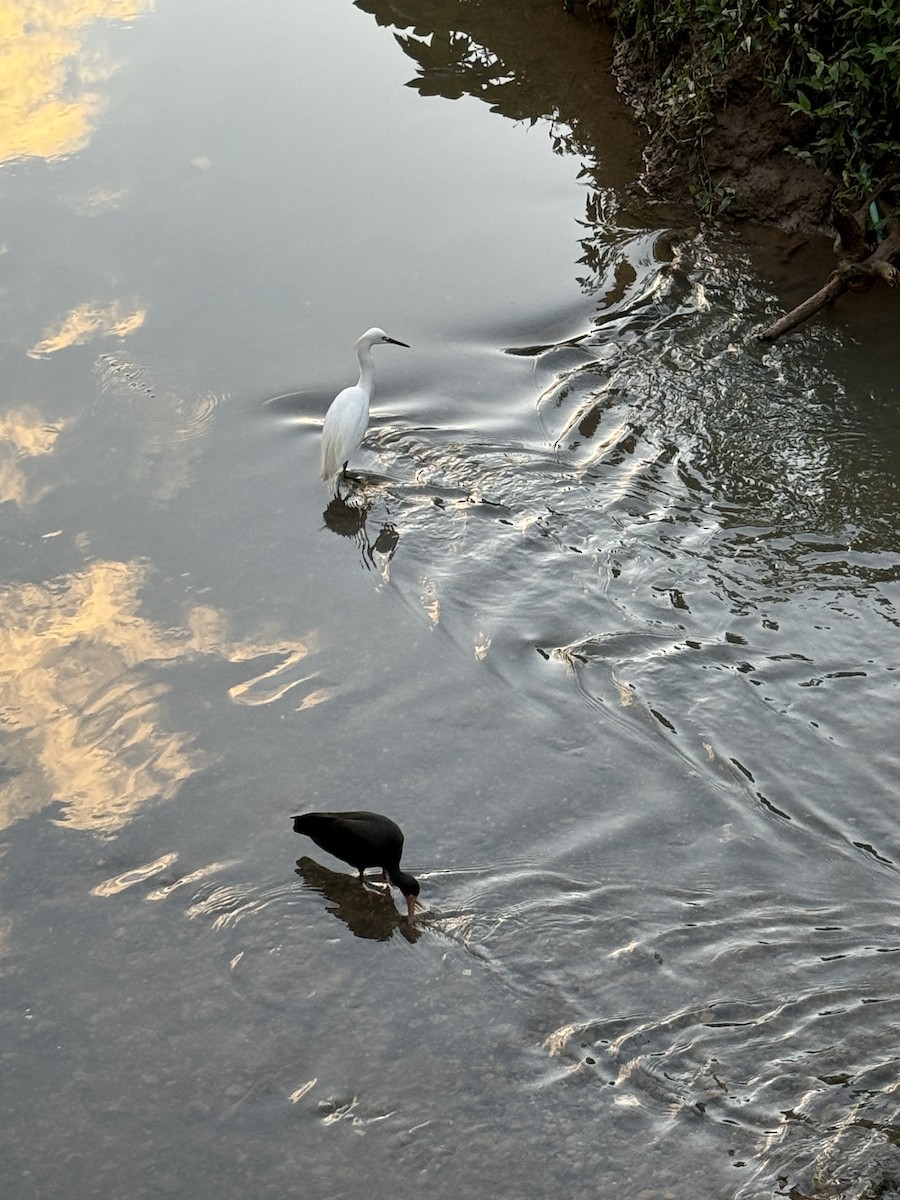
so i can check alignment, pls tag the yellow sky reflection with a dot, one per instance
(86, 322)
(48, 97)
(24, 434)
(85, 722)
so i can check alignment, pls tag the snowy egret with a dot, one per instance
(348, 413)
(362, 839)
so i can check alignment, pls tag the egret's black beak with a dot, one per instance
(394, 342)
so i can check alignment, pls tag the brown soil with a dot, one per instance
(745, 151)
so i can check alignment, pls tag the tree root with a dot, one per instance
(853, 273)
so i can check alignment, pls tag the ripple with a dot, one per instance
(172, 416)
(92, 723)
(668, 523)
(225, 906)
(145, 872)
(701, 1003)
(840, 1140)
(299, 409)
(282, 680)
(126, 879)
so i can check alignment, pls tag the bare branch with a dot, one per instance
(856, 275)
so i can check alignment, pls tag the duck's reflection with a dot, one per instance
(350, 521)
(368, 912)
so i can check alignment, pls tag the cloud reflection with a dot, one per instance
(48, 83)
(84, 713)
(86, 322)
(24, 434)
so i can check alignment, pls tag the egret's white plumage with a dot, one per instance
(348, 413)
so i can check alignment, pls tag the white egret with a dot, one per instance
(348, 413)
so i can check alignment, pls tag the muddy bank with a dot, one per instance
(743, 165)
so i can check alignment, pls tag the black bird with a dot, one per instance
(362, 839)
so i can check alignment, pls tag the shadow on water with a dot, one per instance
(367, 910)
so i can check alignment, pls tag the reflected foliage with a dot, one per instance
(496, 55)
(453, 61)
(453, 65)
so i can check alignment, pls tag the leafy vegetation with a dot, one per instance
(833, 64)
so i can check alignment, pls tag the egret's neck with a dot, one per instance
(366, 369)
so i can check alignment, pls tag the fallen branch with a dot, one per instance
(849, 275)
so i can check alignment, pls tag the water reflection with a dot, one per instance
(367, 910)
(486, 52)
(695, 766)
(89, 727)
(861, 1155)
(350, 520)
(699, 537)
(86, 322)
(24, 434)
(283, 680)
(163, 421)
(83, 706)
(43, 52)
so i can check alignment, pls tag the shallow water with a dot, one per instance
(607, 623)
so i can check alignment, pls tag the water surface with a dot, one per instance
(608, 624)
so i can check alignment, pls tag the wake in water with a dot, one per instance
(690, 538)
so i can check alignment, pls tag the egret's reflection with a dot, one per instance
(346, 520)
(351, 521)
(367, 911)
